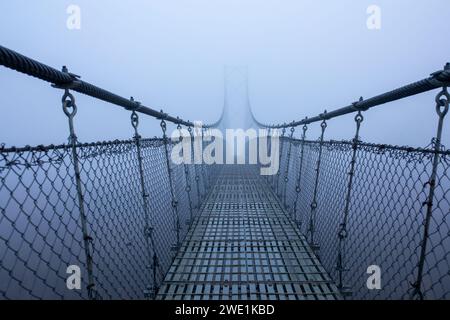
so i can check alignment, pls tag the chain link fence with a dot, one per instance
(119, 210)
(40, 224)
(386, 215)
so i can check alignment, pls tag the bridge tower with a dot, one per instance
(237, 112)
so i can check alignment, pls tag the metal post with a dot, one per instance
(70, 110)
(271, 134)
(186, 176)
(150, 292)
(281, 159)
(209, 172)
(172, 192)
(269, 146)
(342, 233)
(312, 219)
(202, 166)
(442, 106)
(197, 178)
(288, 162)
(298, 187)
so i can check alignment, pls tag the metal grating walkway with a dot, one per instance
(244, 246)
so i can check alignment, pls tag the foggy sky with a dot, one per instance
(302, 57)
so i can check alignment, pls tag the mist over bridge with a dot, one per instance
(140, 226)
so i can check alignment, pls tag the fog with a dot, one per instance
(302, 57)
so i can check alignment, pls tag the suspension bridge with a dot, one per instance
(142, 227)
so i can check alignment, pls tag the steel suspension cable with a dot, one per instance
(436, 80)
(65, 80)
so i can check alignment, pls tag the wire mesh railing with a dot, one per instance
(385, 218)
(363, 205)
(120, 209)
(40, 231)
(115, 210)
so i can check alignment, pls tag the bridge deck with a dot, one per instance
(243, 245)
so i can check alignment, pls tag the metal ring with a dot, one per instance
(442, 105)
(359, 117)
(163, 125)
(68, 101)
(134, 119)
